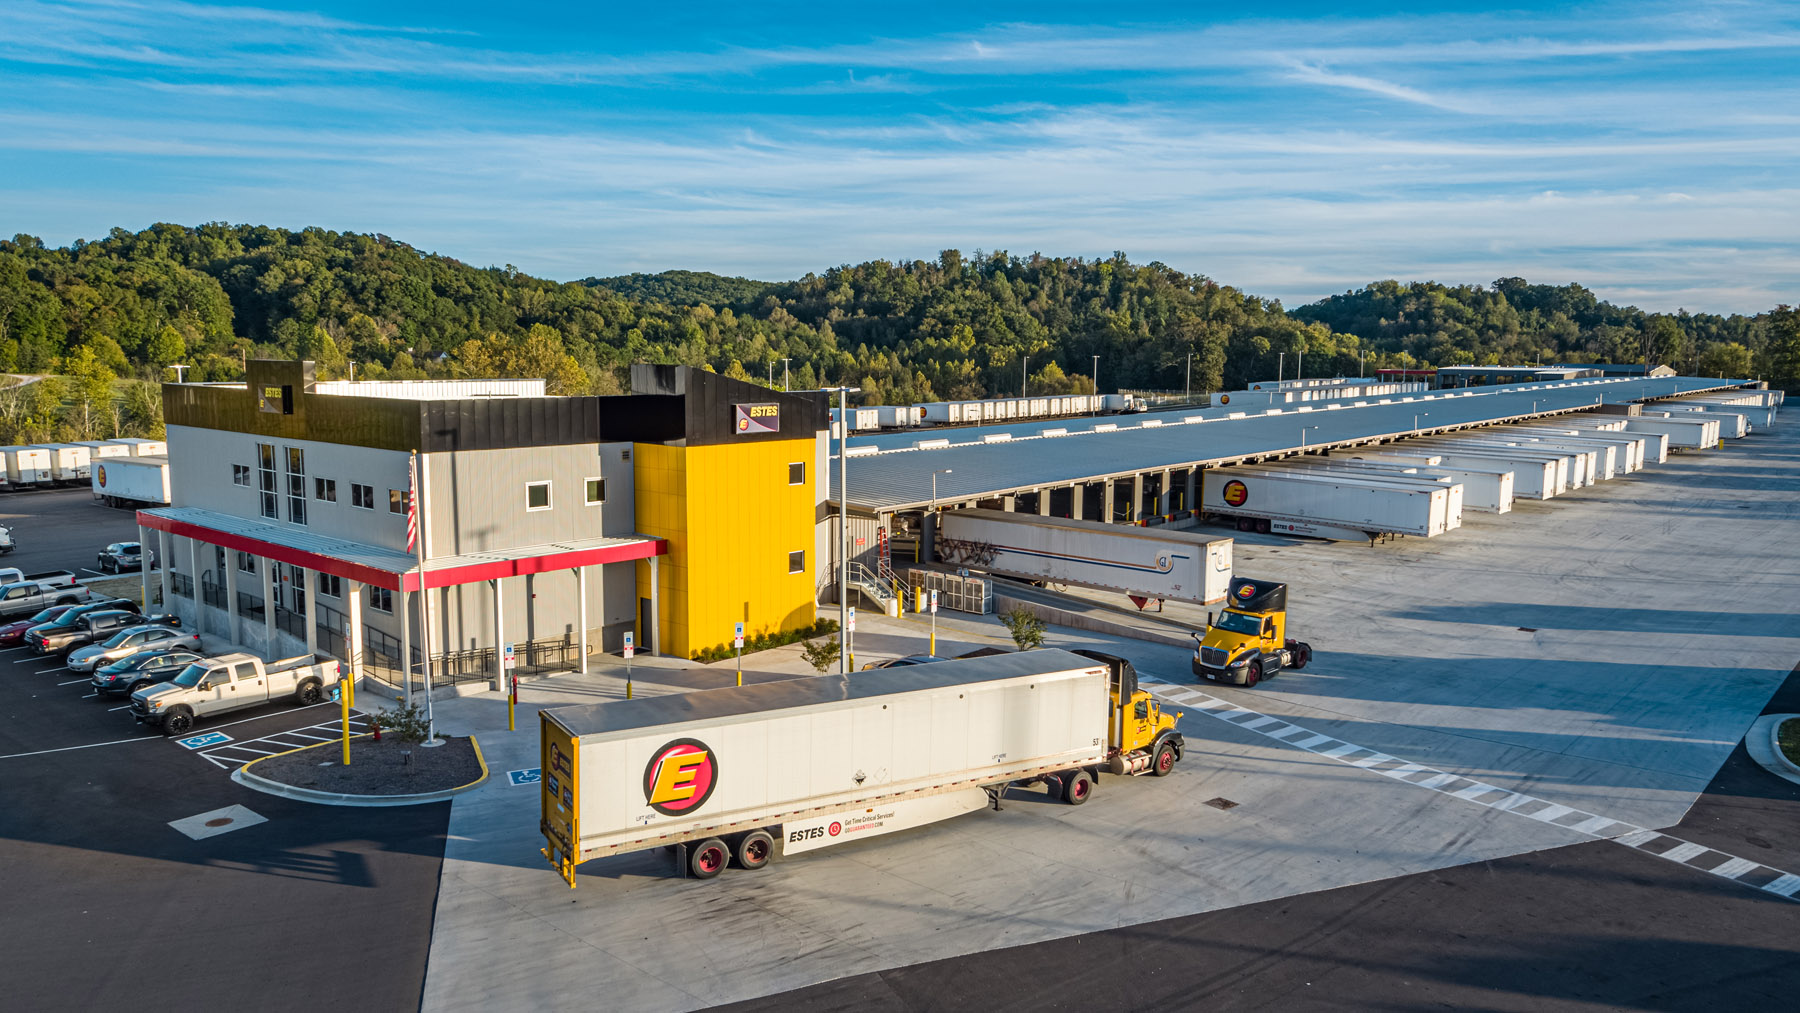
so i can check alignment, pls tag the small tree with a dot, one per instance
(408, 723)
(820, 654)
(1026, 628)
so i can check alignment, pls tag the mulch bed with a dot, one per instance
(376, 768)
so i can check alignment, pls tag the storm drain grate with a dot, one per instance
(1221, 803)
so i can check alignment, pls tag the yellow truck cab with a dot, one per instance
(1249, 642)
(1144, 739)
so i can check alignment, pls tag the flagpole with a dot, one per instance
(419, 515)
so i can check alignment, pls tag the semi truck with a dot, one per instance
(1148, 562)
(747, 774)
(1249, 642)
(227, 683)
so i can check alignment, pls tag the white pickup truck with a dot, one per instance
(230, 682)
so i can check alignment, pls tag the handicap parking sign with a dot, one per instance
(202, 741)
(530, 775)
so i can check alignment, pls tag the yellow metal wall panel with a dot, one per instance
(730, 518)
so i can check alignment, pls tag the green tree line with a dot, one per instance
(211, 296)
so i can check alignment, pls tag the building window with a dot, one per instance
(797, 473)
(797, 562)
(596, 491)
(362, 496)
(381, 600)
(398, 500)
(296, 484)
(240, 475)
(325, 489)
(265, 479)
(330, 585)
(537, 496)
(246, 563)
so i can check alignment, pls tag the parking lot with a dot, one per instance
(61, 529)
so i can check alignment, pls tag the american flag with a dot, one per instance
(412, 503)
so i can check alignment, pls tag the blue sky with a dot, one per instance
(1648, 151)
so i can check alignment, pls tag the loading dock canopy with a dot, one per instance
(379, 566)
(889, 472)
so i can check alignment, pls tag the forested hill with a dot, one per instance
(950, 327)
(683, 288)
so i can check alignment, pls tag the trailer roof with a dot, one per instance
(651, 712)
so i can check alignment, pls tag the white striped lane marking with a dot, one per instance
(1259, 722)
(1650, 842)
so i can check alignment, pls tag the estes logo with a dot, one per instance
(1247, 592)
(1235, 492)
(806, 834)
(680, 777)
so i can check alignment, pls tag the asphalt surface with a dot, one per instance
(1581, 927)
(62, 529)
(109, 907)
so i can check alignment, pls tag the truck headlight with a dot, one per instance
(155, 705)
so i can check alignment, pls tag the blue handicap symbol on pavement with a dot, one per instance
(530, 775)
(202, 741)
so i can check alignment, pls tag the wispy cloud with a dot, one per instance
(1648, 149)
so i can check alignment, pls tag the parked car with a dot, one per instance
(6, 540)
(120, 557)
(143, 669)
(13, 633)
(88, 629)
(130, 641)
(73, 612)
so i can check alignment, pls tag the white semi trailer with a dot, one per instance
(1485, 490)
(748, 773)
(1328, 506)
(132, 481)
(28, 466)
(1147, 562)
(1683, 433)
(68, 462)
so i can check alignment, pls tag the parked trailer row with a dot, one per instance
(70, 463)
(1734, 423)
(1292, 501)
(1487, 490)
(962, 413)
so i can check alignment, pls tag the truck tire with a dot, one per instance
(708, 858)
(178, 722)
(1253, 673)
(1163, 760)
(1078, 787)
(1302, 656)
(309, 693)
(754, 849)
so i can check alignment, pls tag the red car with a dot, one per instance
(13, 634)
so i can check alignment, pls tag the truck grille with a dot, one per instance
(1213, 656)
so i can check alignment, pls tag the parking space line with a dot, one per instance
(35, 657)
(1742, 871)
(121, 707)
(72, 682)
(90, 745)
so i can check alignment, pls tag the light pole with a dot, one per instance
(1095, 407)
(178, 368)
(784, 374)
(843, 527)
(1024, 365)
(934, 476)
(1280, 367)
(1188, 393)
(1299, 363)
(1303, 431)
(1416, 417)
(934, 526)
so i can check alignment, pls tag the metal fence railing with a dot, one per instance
(181, 585)
(249, 605)
(212, 594)
(291, 623)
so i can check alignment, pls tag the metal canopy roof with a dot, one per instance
(890, 471)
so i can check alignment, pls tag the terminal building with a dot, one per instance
(556, 525)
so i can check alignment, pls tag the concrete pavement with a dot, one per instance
(1603, 651)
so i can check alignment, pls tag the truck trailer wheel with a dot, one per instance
(1163, 761)
(754, 849)
(708, 858)
(308, 693)
(178, 722)
(1078, 787)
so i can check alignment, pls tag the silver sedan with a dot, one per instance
(130, 641)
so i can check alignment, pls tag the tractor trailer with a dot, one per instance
(1149, 562)
(746, 774)
(1295, 502)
